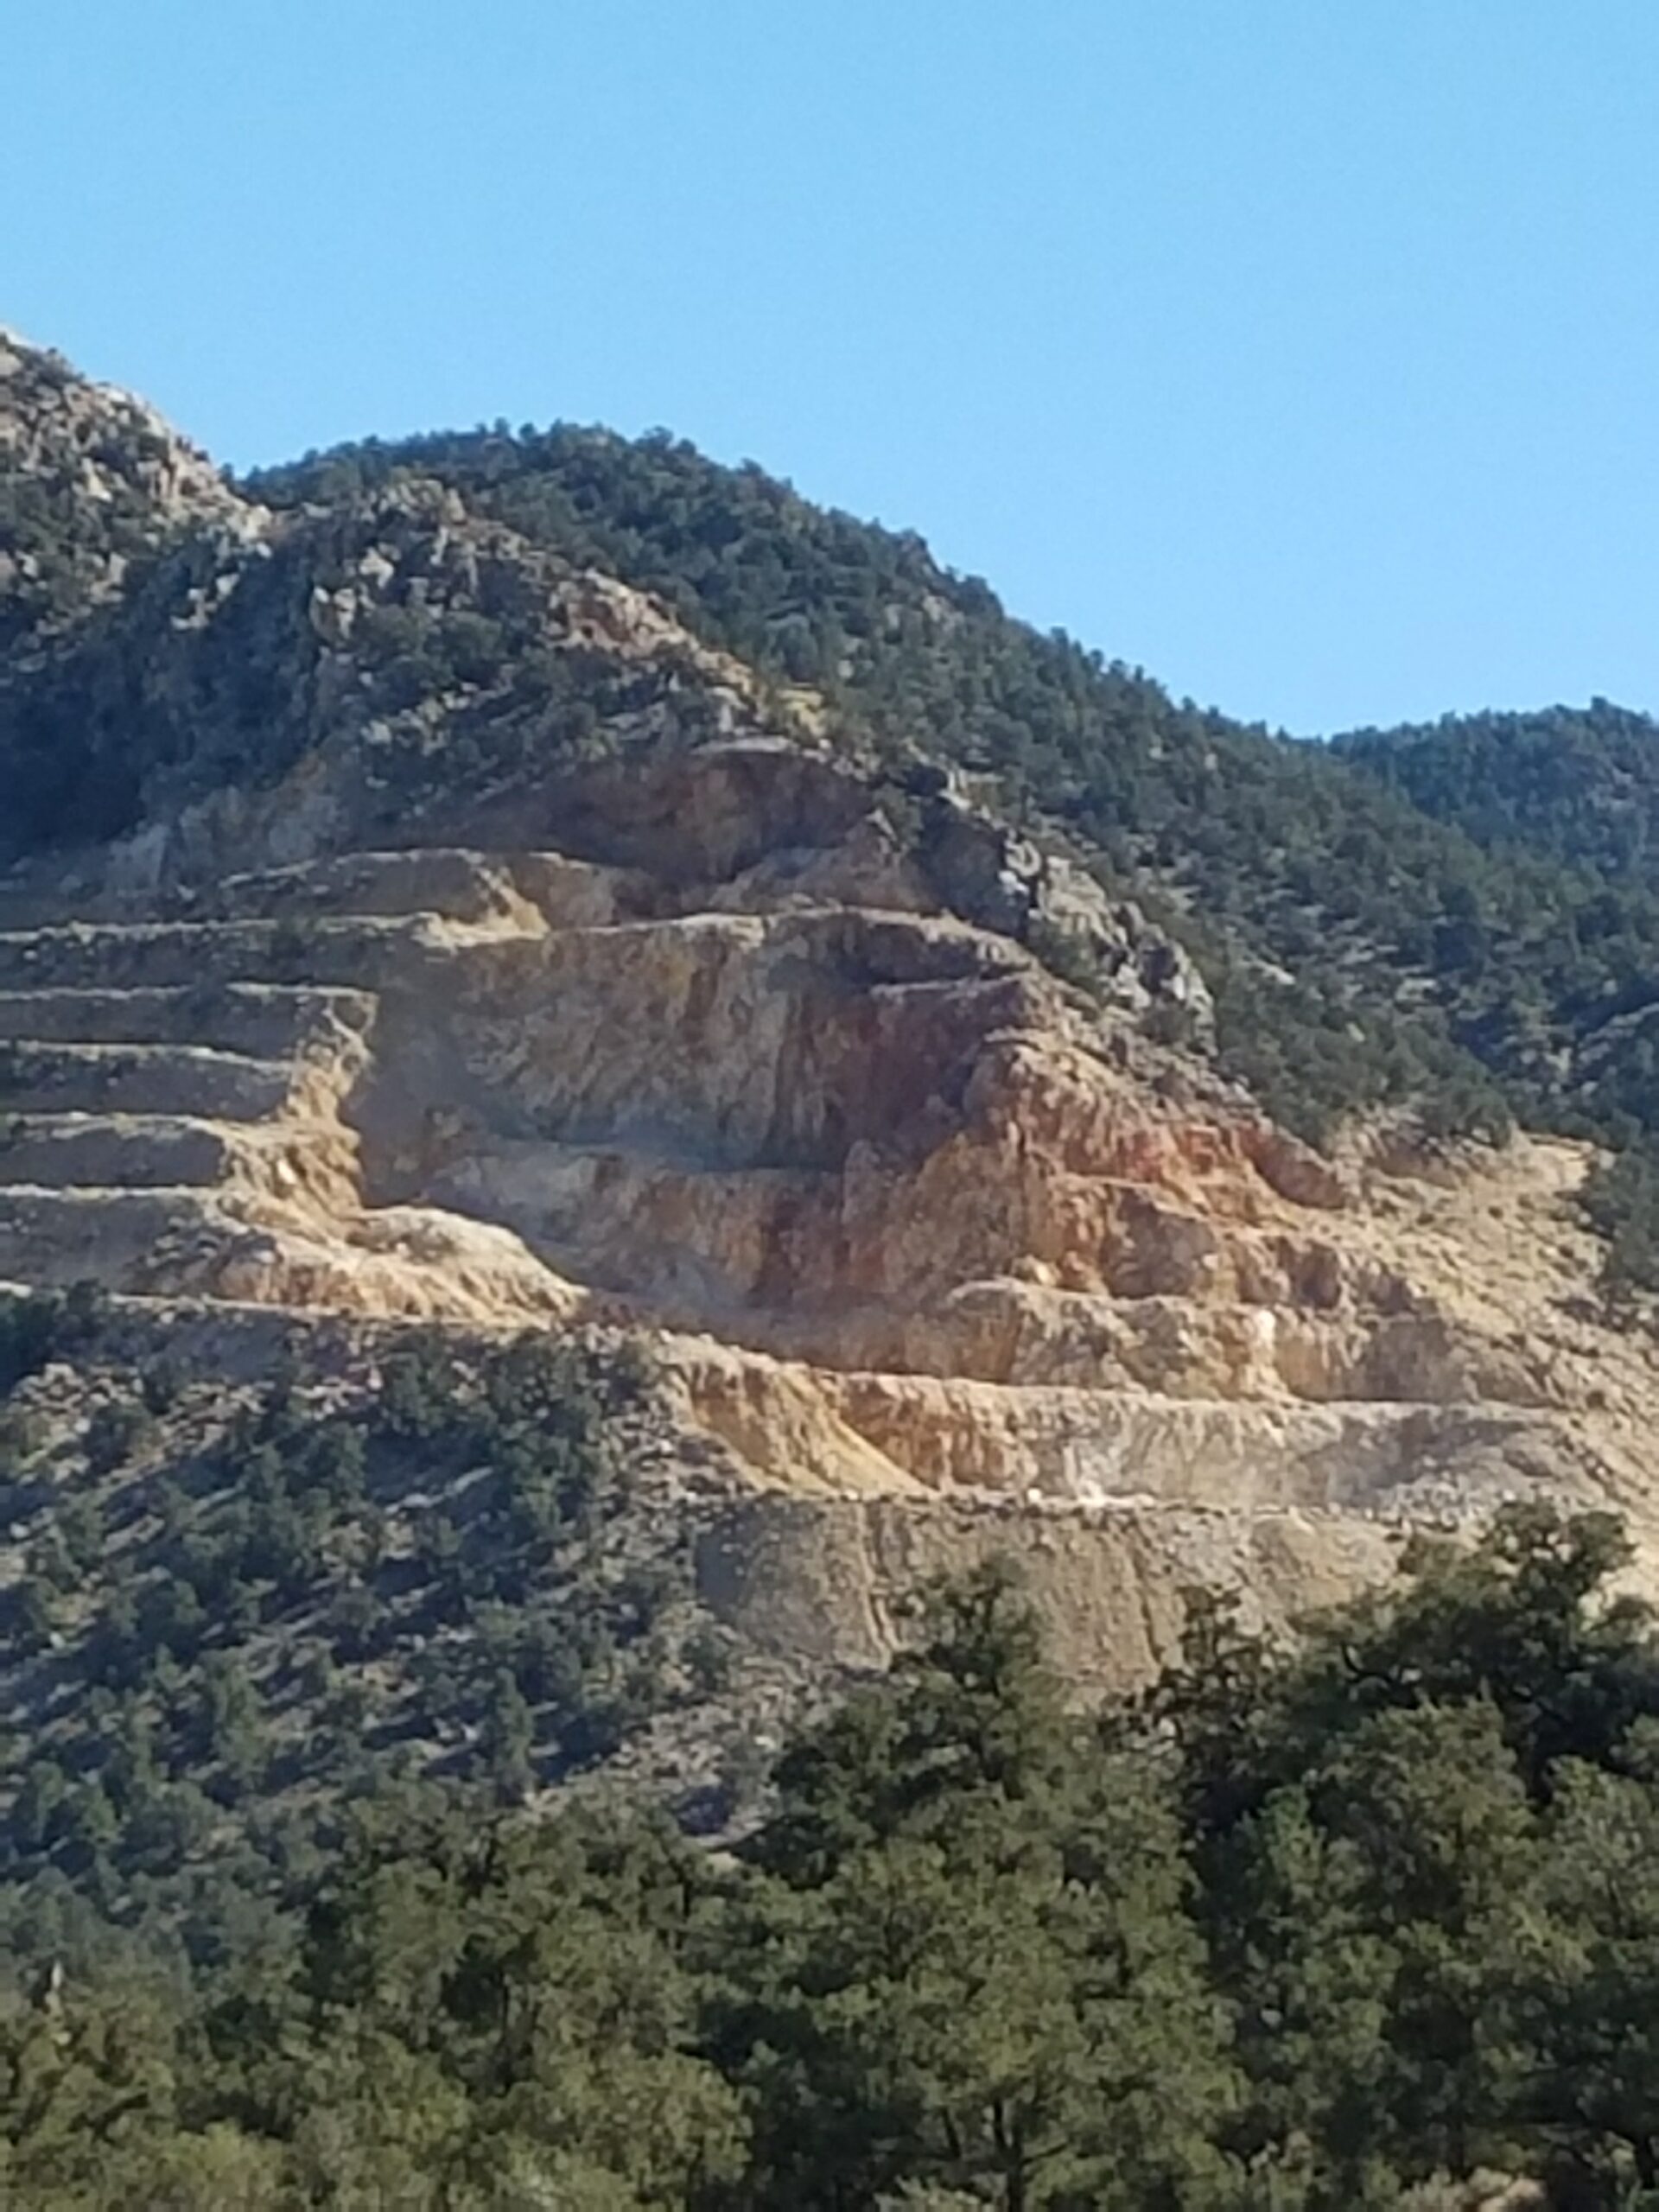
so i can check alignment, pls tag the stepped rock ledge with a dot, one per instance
(721, 1032)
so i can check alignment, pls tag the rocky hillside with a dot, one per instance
(91, 482)
(435, 899)
(1364, 949)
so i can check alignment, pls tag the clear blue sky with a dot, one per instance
(1306, 351)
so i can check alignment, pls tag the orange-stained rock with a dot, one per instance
(938, 1256)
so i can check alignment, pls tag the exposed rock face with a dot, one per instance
(468, 942)
(941, 1257)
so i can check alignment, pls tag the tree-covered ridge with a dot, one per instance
(1368, 1924)
(1362, 952)
(1580, 785)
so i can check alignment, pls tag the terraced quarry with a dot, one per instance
(939, 1254)
(407, 922)
(617, 1091)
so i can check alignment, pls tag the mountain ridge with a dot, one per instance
(563, 894)
(1480, 973)
(1258, 846)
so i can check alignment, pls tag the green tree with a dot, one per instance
(977, 1970)
(1582, 1998)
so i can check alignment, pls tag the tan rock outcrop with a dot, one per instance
(940, 1255)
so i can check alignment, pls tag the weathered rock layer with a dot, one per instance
(460, 938)
(941, 1255)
